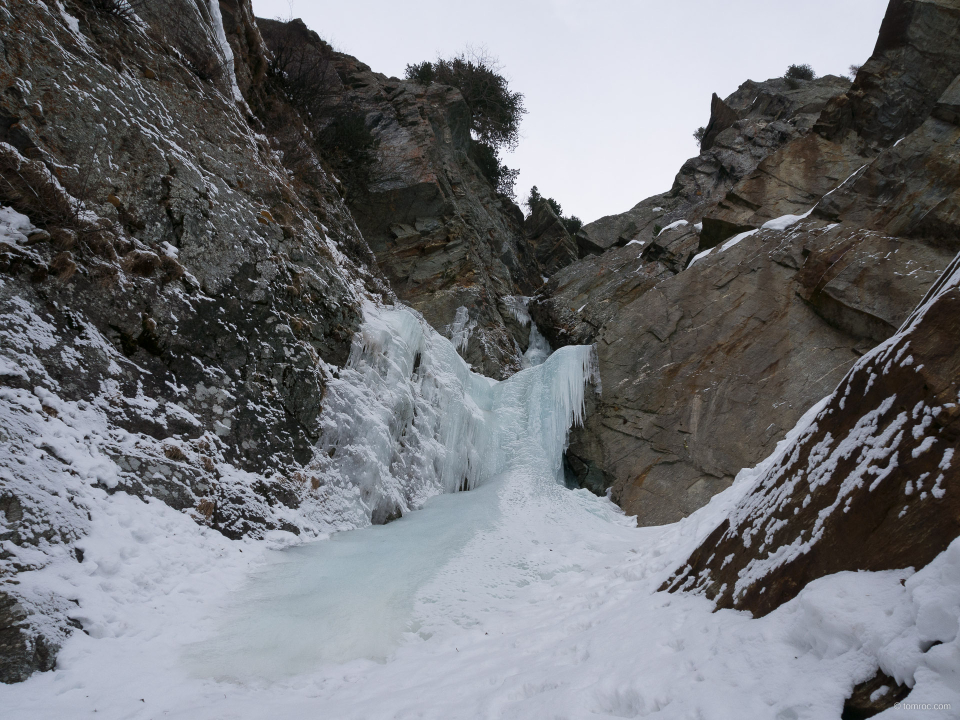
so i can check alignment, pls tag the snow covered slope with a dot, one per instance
(519, 599)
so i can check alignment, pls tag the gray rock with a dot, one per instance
(746, 127)
(705, 371)
(201, 296)
(552, 245)
(22, 652)
(916, 58)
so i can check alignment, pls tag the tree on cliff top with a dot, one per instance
(534, 199)
(495, 109)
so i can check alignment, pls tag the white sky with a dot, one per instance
(614, 88)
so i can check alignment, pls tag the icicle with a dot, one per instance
(461, 328)
(406, 419)
(517, 305)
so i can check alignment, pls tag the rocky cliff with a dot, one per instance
(173, 298)
(799, 238)
(451, 246)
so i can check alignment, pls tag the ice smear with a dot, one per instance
(226, 51)
(785, 221)
(538, 350)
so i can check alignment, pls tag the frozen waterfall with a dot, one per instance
(407, 419)
(409, 425)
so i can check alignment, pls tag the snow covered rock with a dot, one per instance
(871, 484)
(174, 299)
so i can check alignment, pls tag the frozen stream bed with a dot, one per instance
(517, 599)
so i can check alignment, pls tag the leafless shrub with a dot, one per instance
(174, 452)
(28, 186)
(63, 265)
(63, 238)
(104, 274)
(125, 10)
(141, 262)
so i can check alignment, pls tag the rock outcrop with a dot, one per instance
(874, 473)
(704, 371)
(914, 61)
(752, 123)
(449, 244)
(716, 333)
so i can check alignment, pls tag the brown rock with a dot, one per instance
(875, 474)
(788, 182)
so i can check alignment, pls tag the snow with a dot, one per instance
(726, 246)
(785, 221)
(518, 599)
(736, 239)
(675, 224)
(699, 256)
(14, 227)
(781, 223)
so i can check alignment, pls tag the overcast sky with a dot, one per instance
(614, 88)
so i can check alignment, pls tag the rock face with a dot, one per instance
(755, 121)
(549, 241)
(450, 245)
(174, 291)
(875, 474)
(914, 61)
(812, 249)
(704, 371)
